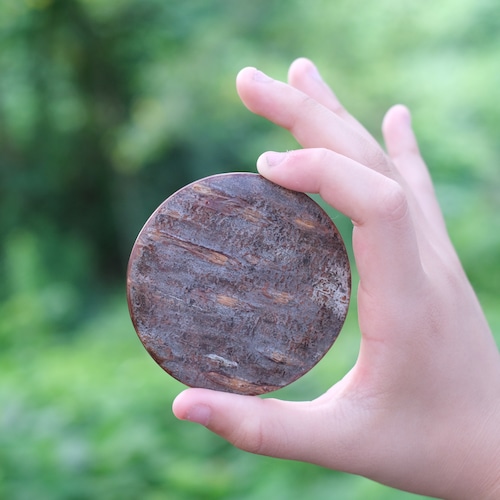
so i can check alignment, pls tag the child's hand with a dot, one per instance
(420, 410)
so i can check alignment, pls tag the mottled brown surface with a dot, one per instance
(237, 284)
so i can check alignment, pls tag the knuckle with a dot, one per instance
(338, 109)
(322, 156)
(375, 158)
(249, 436)
(306, 106)
(393, 202)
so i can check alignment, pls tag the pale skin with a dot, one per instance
(420, 409)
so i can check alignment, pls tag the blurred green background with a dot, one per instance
(106, 108)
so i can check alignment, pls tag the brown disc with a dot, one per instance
(237, 284)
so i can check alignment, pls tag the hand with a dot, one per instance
(420, 410)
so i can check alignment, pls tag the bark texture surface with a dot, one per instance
(239, 285)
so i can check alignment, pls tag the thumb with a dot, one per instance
(283, 429)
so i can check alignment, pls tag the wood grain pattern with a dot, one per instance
(236, 284)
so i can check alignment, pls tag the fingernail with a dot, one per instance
(199, 414)
(270, 159)
(260, 77)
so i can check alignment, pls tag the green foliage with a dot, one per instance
(89, 418)
(107, 107)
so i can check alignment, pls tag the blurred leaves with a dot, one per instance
(108, 107)
(90, 419)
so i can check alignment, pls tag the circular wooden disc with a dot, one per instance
(237, 284)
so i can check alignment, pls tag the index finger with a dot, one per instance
(310, 122)
(385, 240)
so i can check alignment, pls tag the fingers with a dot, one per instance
(403, 150)
(304, 76)
(312, 112)
(311, 123)
(343, 183)
(386, 246)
